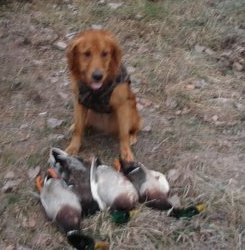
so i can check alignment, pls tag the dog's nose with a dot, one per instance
(97, 75)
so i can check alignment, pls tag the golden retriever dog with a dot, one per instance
(101, 87)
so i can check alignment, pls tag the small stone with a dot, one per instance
(215, 118)
(200, 84)
(97, 26)
(131, 69)
(240, 107)
(210, 52)
(135, 90)
(199, 48)
(101, 2)
(145, 102)
(33, 172)
(171, 103)
(139, 17)
(237, 67)
(9, 247)
(38, 62)
(140, 107)
(60, 45)
(43, 114)
(23, 126)
(10, 185)
(54, 123)
(10, 175)
(29, 222)
(16, 85)
(178, 112)
(114, 6)
(63, 95)
(147, 128)
(190, 86)
(56, 137)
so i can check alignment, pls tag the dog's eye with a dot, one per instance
(87, 54)
(104, 54)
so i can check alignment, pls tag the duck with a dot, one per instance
(153, 189)
(112, 191)
(63, 207)
(76, 173)
(152, 186)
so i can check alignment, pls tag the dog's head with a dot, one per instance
(94, 58)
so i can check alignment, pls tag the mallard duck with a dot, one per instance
(63, 207)
(112, 191)
(76, 172)
(152, 186)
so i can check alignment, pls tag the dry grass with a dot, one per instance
(196, 111)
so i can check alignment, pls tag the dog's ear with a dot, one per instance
(116, 56)
(73, 56)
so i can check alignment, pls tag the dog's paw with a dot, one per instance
(72, 149)
(127, 155)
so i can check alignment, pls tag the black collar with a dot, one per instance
(98, 100)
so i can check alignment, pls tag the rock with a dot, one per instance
(131, 69)
(97, 26)
(10, 247)
(147, 128)
(22, 248)
(9, 175)
(140, 107)
(145, 102)
(38, 62)
(29, 222)
(135, 90)
(102, 2)
(56, 137)
(178, 112)
(43, 114)
(16, 85)
(240, 107)
(210, 52)
(10, 185)
(190, 86)
(215, 118)
(200, 84)
(138, 17)
(24, 126)
(71, 35)
(114, 6)
(63, 95)
(237, 67)
(171, 103)
(54, 123)
(60, 45)
(198, 48)
(33, 172)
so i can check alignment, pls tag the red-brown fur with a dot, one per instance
(98, 49)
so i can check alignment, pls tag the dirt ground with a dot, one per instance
(187, 64)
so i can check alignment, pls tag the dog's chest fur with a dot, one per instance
(99, 100)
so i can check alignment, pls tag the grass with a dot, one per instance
(158, 39)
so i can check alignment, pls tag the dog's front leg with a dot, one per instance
(80, 114)
(123, 118)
